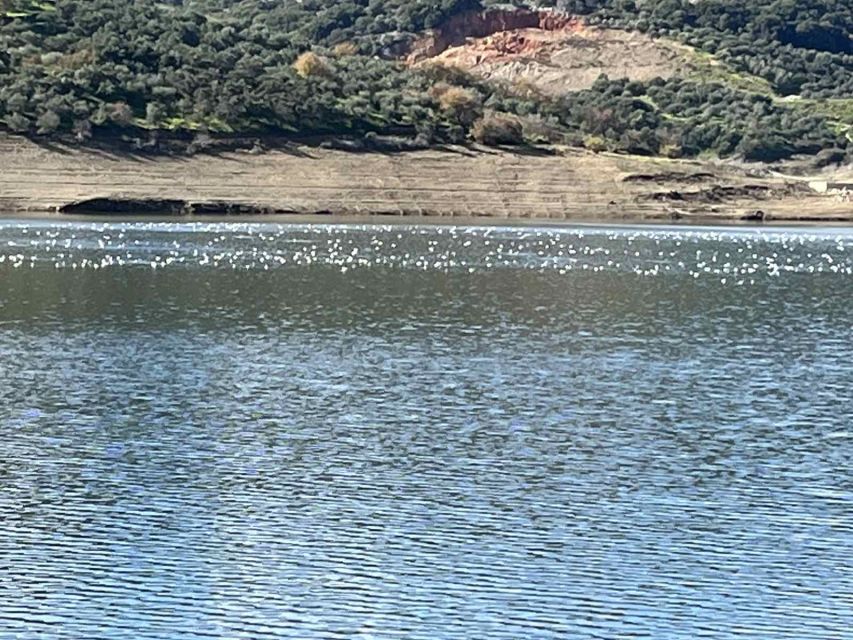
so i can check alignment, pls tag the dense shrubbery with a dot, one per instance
(117, 62)
(799, 46)
(82, 67)
(679, 117)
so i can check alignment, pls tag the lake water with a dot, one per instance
(265, 430)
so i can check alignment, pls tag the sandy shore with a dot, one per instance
(561, 184)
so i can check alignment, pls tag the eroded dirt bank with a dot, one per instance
(563, 183)
(480, 24)
(554, 52)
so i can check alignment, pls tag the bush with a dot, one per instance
(495, 129)
(452, 98)
(345, 49)
(595, 143)
(154, 113)
(464, 105)
(48, 122)
(830, 156)
(120, 113)
(17, 122)
(671, 150)
(309, 64)
(765, 148)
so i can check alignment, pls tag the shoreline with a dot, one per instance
(830, 221)
(553, 184)
(298, 219)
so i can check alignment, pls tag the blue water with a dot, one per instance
(295, 431)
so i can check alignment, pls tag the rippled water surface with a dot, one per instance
(294, 431)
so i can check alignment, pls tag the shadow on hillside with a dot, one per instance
(179, 147)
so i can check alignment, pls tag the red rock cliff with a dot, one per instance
(480, 24)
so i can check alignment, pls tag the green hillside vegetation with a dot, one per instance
(779, 81)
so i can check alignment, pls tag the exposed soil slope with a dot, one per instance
(557, 62)
(478, 24)
(554, 52)
(564, 184)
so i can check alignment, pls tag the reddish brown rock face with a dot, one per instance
(458, 29)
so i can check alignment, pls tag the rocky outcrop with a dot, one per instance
(480, 24)
(669, 177)
(160, 206)
(163, 206)
(726, 193)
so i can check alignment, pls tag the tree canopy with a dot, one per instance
(82, 68)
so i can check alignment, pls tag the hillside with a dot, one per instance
(767, 80)
(559, 61)
(561, 184)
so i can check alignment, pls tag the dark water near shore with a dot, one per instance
(272, 431)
